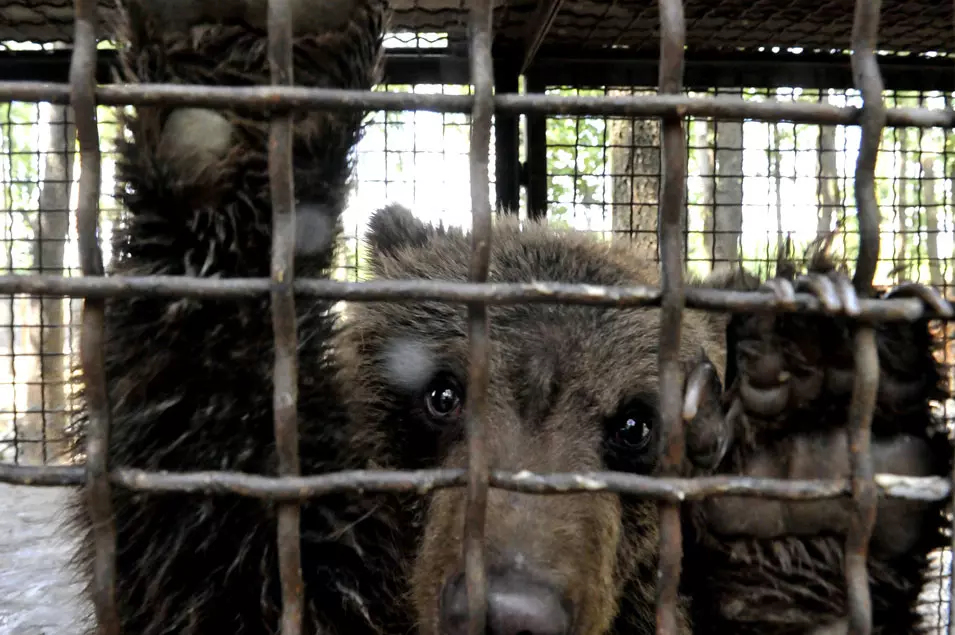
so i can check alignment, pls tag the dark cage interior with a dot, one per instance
(786, 123)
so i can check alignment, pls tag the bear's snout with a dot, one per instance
(518, 603)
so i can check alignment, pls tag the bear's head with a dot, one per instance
(571, 389)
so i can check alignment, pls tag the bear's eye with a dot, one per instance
(443, 399)
(629, 438)
(633, 433)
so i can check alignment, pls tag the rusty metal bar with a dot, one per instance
(951, 567)
(482, 77)
(42, 475)
(864, 493)
(866, 76)
(670, 229)
(865, 72)
(272, 97)
(98, 491)
(285, 333)
(931, 488)
(874, 309)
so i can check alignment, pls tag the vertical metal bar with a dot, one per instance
(482, 76)
(285, 395)
(507, 148)
(98, 491)
(672, 193)
(866, 76)
(868, 80)
(951, 558)
(536, 156)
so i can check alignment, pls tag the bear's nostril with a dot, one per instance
(516, 605)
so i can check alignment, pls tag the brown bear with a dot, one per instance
(382, 385)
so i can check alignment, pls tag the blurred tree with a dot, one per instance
(635, 176)
(47, 395)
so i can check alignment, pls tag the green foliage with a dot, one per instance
(577, 162)
(19, 175)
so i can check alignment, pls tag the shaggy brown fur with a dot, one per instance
(572, 388)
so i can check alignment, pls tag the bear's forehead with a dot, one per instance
(542, 356)
(534, 255)
(540, 350)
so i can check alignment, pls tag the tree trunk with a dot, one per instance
(635, 169)
(776, 171)
(827, 188)
(47, 417)
(705, 165)
(728, 194)
(900, 263)
(930, 202)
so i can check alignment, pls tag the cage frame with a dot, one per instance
(289, 488)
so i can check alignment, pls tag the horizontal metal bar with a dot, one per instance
(42, 475)
(924, 488)
(597, 69)
(401, 66)
(881, 310)
(278, 97)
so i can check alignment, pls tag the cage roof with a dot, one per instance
(915, 26)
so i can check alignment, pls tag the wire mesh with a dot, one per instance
(40, 343)
(753, 186)
(728, 175)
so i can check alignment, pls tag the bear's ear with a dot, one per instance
(394, 228)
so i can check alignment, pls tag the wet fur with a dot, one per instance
(190, 386)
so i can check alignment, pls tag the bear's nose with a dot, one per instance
(517, 604)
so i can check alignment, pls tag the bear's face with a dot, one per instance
(571, 389)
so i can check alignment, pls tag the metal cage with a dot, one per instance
(670, 106)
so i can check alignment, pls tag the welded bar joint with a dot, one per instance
(644, 106)
(673, 167)
(98, 490)
(482, 77)
(285, 378)
(866, 76)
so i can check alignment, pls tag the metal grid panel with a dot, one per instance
(398, 158)
(785, 181)
(872, 117)
(41, 335)
(604, 175)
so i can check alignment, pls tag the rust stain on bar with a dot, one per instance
(298, 97)
(673, 164)
(99, 497)
(867, 78)
(900, 309)
(479, 36)
(285, 377)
